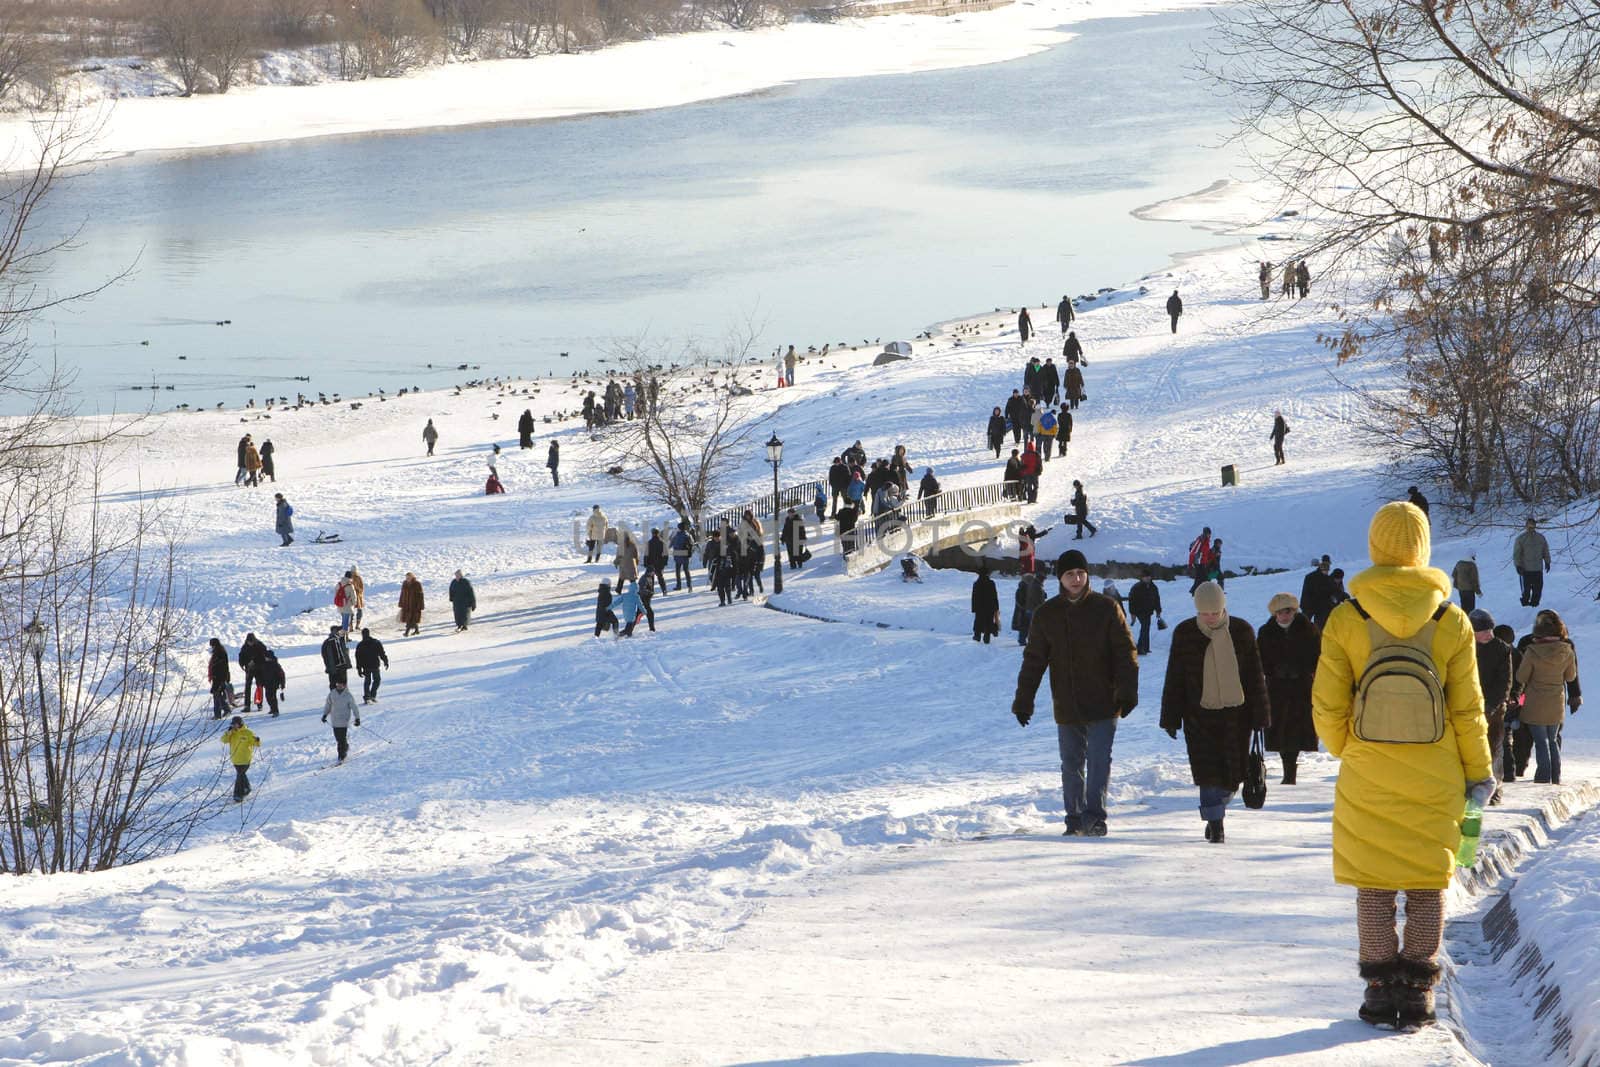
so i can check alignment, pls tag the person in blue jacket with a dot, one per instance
(627, 608)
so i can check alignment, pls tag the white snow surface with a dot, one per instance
(132, 106)
(750, 836)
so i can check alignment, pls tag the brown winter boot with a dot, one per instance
(1414, 999)
(1380, 1004)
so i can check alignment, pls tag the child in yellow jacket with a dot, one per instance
(242, 745)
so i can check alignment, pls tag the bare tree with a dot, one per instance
(689, 430)
(178, 29)
(383, 38)
(1450, 150)
(228, 39)
(24, 55)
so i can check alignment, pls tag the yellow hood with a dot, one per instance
(1401, 599)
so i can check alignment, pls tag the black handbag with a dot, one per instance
(1255, 772)
(1161, 624)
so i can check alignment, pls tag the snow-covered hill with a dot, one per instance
(546, 843)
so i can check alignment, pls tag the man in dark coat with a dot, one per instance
(927, 488)
(1017, 415)
(655, 561)
(272, 680)
(1144, 600)
(1414, 495)
(1494, 678)
(244, 447)
(794, 539)
(1013, 474)
(525, 429)
(1081, 637)
(1316, 593)
(463, 601)
(552, 460)
(1175, 308)
(251, 656)
(1289, 644)
(1030, 376)
(1280, 430)
(838, 482)
(336, 657)
(996, 432)
(1050, 382)
(1080, 511)
(268, 450)
(1065, 313)
(1072, 350)
(1217, 713)
(370, 656)
(1073, 383)
(985, 607)
(1025, 325)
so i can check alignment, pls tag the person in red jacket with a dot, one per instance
(1029, 467)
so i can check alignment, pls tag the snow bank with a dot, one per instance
(664, 72)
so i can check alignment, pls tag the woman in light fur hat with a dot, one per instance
(1289, 644)
(1216, 694)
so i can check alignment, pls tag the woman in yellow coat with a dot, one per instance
(1403, 785)
(242, 745)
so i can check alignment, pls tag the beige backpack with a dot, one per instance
(1399, 698)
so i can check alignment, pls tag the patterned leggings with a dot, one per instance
(1424, 931)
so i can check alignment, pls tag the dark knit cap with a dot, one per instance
(1481, 620)
(1071, 560)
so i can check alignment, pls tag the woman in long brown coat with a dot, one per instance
(1548, 675)
(1289, 644)
(1215, 693)
(411, 604)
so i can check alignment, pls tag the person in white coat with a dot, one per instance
(340, 709)
(595, 534)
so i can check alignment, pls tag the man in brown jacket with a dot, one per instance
(1082, 637)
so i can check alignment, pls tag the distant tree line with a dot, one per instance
(211, 45)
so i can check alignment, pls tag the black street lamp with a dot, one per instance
(775, 457)
(33, 636)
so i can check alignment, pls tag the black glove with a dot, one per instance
(1022, 716)
(1124, 713)
(324, 718)
(1172, 732)
(358, 722)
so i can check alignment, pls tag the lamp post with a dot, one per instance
(775, 457)
(33, 636)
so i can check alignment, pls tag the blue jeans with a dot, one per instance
(1546, 753)
(1214, 802)
(1086, 744)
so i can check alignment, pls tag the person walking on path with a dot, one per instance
(1030, 598)
(1064, 313)
(1495, 675)
(655, 560)
(252, 654)
(794, 539)
(985, 607)
(1287, 288)
(594, 533)
(525, 429)
(1417, 500)
(1548, 675)
(1144, 600)
(1214, 563)
(463, 601)
(242, 745)
(1316, 593)
(1216, 695)
(411, 604)
(1016, 412)
(430, 436)
(285, 520)
(1175, 308)
(1280, 430)
(359, 584)
(1464, 576)
(838, 482)
(1081, 638)
(336, 657)
(1199, 557)
(272, 680)
(1302, 278)
(240, 452)
(1290, 645)
(927, 490)
(1265, 276)
(252, 464)
(1072, 349)
(220, 676)
(1029, 467)
(1072, 382)
(553, 461)
(1530, 554)
(789, 361)
(1049, 382)
(1080, 511)
(344, 598)
(1025, 325)
(626, 559)
(605, 620)
(267, 452)
(340, 710)
(1413, 746)
(683, 556)
(369, 657)
(997, 432)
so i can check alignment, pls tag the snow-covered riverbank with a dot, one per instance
(637, 76)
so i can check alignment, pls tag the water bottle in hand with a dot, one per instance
(1471, 827)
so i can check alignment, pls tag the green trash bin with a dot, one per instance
(1230, 475)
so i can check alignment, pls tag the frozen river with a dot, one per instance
(824, 212)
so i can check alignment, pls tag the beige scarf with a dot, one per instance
(1220, 686)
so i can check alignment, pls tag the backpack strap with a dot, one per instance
(1359, 609)
(1442, 609)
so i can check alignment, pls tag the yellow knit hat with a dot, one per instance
(1399, 537)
